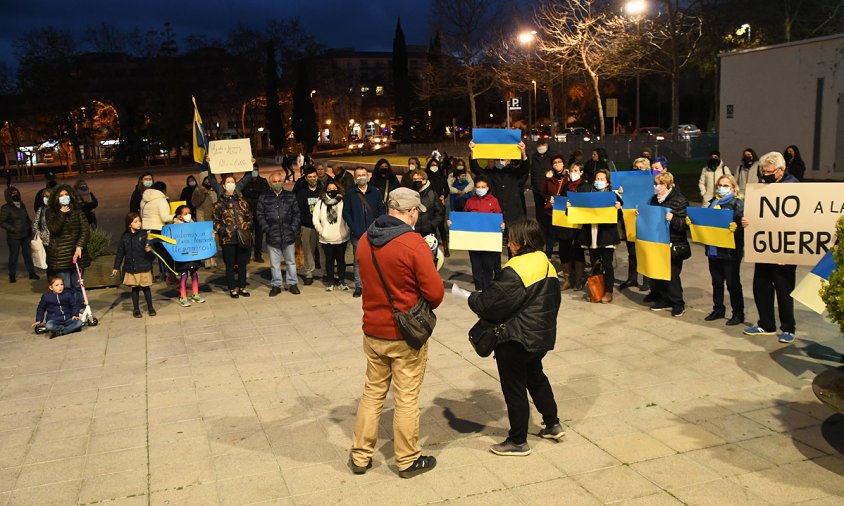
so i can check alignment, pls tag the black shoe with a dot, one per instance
(651, 297)
(714, 316)
(644, 287)
(555, 432)
(421, 465)
(275, 291)
(360, 469)
(32, 275)
(309, 281)
(628, 284)
(137, 313)
(659, 306)
(54, 334)
(735, 320)
(510, 449)
(678, 311)
(358, 293)
(233, 294)
(152, 312)
(243, 293)
(12, 278)
(294, 289)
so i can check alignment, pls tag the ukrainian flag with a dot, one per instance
(475, 231)
(200, 142)
(593, 207)
(629, 217)
(808, 290)
(497, 143)
(712, 227)
(559, 216)
(653, 243)
(637, 186)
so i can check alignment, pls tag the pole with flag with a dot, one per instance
(200, 142)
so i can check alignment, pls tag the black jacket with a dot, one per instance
(678, 228)
(359, 216)
(279, 217)
(607, 232)
(131, 254)
(439, 182)
(525, 295)
(434, 213)
(539, 167)
(15, 220)
(306, 199)
(384, 182)
(505, 185)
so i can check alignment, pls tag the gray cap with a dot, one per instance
(405, 199)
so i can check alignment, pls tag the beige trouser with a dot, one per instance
(390, 361)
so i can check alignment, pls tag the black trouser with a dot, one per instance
(136, 298)
(726, 270)
(259, 238)
(520, 372)
(606, 256)
(485, 265)
(570, 250)
(235, 258)
(16, 246)
(334, 253)
(771, 280)
(670, 292)
(632, 265)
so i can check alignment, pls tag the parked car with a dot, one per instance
(687, 131)
(576, 133)
(650, 133)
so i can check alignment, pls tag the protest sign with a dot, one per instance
(476, 231)
(194, 241)
(230, 155)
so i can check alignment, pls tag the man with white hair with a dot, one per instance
(773, 280)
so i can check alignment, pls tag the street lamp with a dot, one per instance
(526, 38)
(636, 8)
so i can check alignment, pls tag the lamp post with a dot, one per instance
(636, 8)
(527, 38)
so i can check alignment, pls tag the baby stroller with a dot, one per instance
(86, 316)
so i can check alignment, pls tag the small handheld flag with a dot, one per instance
(593, 207)
(653, 243)
(808, 290)
(712, 227)
(200, 142)
(162, 238)
(496, 143)
(559, 215)
(637, 186)
(476, 231)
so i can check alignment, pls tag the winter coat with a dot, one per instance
(707, 181)
(330, 233)
(525, 295)
(131, 254)
(67, 232)
(552, 187)
(53, 307)
(438, 181)
(454, 189)
(407, 264)
(359, 216)
(747, 175)
(486, 204)
(14, 219)
(434, 211)
(187, 196)
(678, 229)
(606, 234)
(279, 217)
(504, 184)
(230, 213)
(737, 206)
(540, 165)
(155, 210)
(136, 198)
(385, 183)
(203, 200)
(39, 226)
(796, 167)
(88, 203)
(306, 199)
(253, 190)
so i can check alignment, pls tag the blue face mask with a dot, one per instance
(600, 185)
(722, 191)
(64, 200)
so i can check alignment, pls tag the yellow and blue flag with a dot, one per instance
(593, 207)
(629, 217)
(637, 186)
(200, 142)
(475, 231)
(559, 216)
(497, 143)
(712, 227)
(653, 243)
(808, 290)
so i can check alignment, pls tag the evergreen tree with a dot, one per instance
(275, 123)
(401, 84)
(304, 115)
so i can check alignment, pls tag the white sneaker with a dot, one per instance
(329, 288)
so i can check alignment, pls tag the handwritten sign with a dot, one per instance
(194, 241)
(791, 223)
(230, 155)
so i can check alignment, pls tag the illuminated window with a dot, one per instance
(364, 89)
(379, 90)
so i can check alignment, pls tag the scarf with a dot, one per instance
(330, 209)
(712, 251)
(459, 184)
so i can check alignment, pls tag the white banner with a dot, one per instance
(230, 155)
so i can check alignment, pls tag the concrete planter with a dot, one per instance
(98, 274)
(829, 388)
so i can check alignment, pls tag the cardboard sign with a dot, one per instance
(194, 241)
(230, 155)
(791, 223)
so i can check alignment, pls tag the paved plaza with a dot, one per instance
(253, 400)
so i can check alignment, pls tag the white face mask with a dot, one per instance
(434, 168)
(64, 200)
(148, 184)
(500, 163)
(46, 199)
(600, 185)
(361, 181)
(231, 187)
(574, 176)
(186, 218)
(480, 192)
(542, 150)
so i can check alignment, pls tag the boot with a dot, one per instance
(607, 298)
(566, 271)
(577, 282)
(445, 249)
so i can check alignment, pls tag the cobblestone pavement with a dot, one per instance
(253, 401)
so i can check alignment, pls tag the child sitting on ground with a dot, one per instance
(187, 269)
(57, 310)
(135, 254)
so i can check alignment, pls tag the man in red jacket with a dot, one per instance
(406, 263)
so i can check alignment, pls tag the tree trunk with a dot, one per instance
(551, 111)
(598, 101)
(472, 106)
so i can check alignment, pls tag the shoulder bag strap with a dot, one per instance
(380, 276)
(365, 203)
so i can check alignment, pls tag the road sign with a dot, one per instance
(612, 107)
(515, 104)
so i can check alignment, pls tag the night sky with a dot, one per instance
(366, 25)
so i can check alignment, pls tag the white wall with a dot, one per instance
(773, 92)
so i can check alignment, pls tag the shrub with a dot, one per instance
(99, 244)
(832, 293)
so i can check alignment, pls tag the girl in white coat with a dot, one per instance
(333, 235)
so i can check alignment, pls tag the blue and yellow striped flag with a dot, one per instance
(200, 142)
(637, 186)
(497, 143)
(475, 231)
(808, 290)
(712, 227)
(653, 243)
(593, 207)
(629, 217)
(559, 216)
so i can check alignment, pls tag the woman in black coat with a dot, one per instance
(383, 178)
(794, 163)
(602, 238)
(724, 263)
(524, 300)
(438, 178)
(669, 294)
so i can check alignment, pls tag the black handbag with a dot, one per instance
(416, 325)
(681, 251)
(484, 336)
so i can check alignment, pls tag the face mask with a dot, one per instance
(713, 163)
(769, 178)
(186, 218)
(416, 185)
(574, 176)
(361, 181)
(46, 200)
(788, 156)
(657, 188)
(148, 184)
(277, 187)
(231, 187)
(480, 192)
(748, 160)
(332, 194)
(499, 164)
(64, 200)
(600, 185)
(461, 167)
(207, 186)
(434, 168)
(191, 183)
(722, 191)
(16, 197)
(412, 166)
(542, 149)
(83, 188)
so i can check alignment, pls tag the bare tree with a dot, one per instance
(601, 42)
